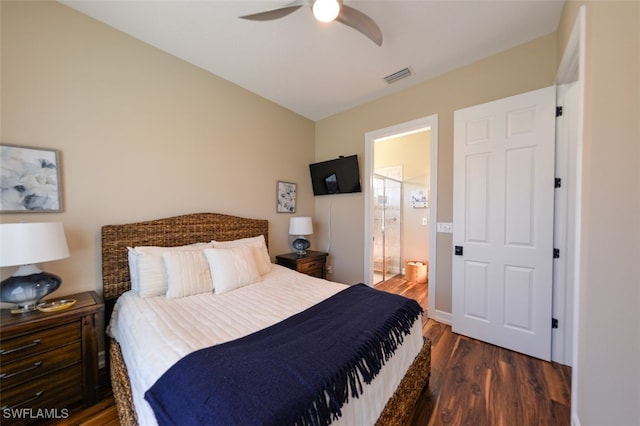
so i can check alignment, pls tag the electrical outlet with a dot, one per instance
(329, 269)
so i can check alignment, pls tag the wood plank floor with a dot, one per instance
(472, 383)
(101, 414)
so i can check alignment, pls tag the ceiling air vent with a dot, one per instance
(398, 75)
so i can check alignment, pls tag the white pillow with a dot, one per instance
(259, 248)
(232, 268)
(147, 269)
(187, 273)
(133, 269)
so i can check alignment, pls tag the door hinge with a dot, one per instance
(554, 322)
(556, 253)
(557, 182)
(458, 250)
(558, 111)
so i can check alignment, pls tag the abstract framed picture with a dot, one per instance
(29, 180)
(286, 197)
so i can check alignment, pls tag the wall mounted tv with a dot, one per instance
(338, 176)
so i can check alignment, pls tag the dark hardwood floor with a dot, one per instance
(472, 383)
(101, 414)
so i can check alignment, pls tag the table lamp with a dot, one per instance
(26, 244)
(300, 226)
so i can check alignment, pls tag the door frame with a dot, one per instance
(430, 122)
(572, 70)
(565, 233)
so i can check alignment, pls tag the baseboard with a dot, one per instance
(443, 317)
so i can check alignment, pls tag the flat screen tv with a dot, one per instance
(338, 176)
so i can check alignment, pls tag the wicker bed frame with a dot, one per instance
(188, 229)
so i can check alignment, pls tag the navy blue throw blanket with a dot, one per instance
(282, 375)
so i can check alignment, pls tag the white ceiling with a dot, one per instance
(317, 69)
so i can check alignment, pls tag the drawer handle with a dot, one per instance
(35, 365)
(25, 402)
(36, 342)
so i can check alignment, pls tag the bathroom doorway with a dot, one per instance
(400, 190)
(391, 152)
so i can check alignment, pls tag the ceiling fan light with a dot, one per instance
(326, 10)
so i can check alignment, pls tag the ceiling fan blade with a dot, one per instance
(272, 14)
(360, 22)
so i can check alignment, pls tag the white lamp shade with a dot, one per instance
(27, 243)
(300, 226)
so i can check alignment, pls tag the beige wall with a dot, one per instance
(141, 134)
(527, 67)
(608, 356)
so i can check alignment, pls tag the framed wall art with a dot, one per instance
(29, 180)
(419, 198)
(286, 197)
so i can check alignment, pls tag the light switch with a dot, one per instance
(445, 227)
(425, 221)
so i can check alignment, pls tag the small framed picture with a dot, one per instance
(29, 180)
(286, 197)
(419, 199)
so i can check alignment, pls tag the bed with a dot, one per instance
(390, 397)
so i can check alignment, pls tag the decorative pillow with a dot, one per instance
(259, 248)
(232, 268)
(187, 273)
(147, 269)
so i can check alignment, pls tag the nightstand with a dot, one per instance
(313, 263)
(49, 360)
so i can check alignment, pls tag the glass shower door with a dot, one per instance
(387, 228)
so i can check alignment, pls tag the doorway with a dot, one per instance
(416, 212)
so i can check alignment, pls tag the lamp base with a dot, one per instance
(24, 309)
(27, 290)
(301, 245)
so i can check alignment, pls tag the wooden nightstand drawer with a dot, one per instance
(40, 364)
(41, 341)
(317, 272)
(56, 390)
(312, 266)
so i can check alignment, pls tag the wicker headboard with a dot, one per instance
(169, 232)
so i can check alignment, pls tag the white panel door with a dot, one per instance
(503, 222)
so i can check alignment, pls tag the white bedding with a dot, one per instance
(155, 332)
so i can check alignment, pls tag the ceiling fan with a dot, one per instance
(326, 11)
